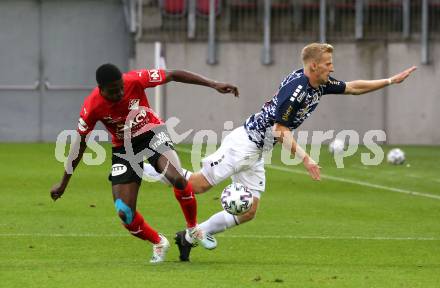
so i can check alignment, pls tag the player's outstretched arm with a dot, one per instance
(358, 87)
(75, 155)
(285, 136)
(192, 78)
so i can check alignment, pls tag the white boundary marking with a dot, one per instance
(346, 180)
(293, 237)
(361, 183)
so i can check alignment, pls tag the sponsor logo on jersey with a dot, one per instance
(303, 112)
(162, 138)
(118, 169)
(129, 124)
(301, 96)
(154, 75)
(315, 98)
(82, 125)
(334, 82)
(134, 104)
(286, 114)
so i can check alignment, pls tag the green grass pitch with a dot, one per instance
(358, 227)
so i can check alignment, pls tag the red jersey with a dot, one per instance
(114, 114)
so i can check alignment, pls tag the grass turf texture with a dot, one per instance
(307, 234)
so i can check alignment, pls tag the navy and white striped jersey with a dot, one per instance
(291, 105)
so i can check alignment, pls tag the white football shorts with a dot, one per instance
(238, 158)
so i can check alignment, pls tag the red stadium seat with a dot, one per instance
(203, 7)
(173, 7)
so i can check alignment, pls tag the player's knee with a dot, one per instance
(248, 216)
(124, 211)
(199, 183)
(251, 214)
(200, 187)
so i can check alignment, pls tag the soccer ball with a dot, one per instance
(396, 156)
(336, 146)
(236, 199)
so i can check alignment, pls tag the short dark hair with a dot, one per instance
(107, 73)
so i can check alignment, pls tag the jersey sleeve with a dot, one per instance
(334, 86)
(149, 78)
(86, 121)
(289, 97)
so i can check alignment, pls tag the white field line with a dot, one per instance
(293, 237)
(346, 180)
(366, 169)
(361, 183)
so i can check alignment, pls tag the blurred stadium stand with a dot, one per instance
(50, 49)
(294, 20)
(373, 38)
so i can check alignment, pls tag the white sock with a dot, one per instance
(219, 222)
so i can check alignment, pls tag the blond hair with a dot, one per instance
(314, 51)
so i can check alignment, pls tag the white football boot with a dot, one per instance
(160, 250)
(197, 235)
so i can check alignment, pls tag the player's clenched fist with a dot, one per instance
(226, 88)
